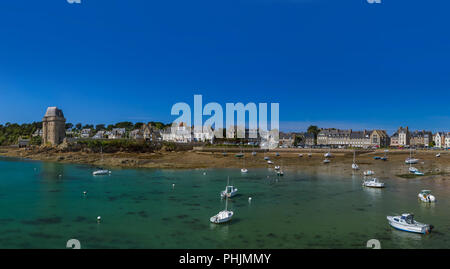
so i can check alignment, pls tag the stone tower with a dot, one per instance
(53, 126)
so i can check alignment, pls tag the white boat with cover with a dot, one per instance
(373, 183)
(426, 196)
(222, 216)
(101, 172)
(326, 161)
(369, 173)
(327, 155)
(406, 223)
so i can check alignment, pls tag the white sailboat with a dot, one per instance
(354, 165)
(223, 216)
(244, 170)
(411, 160)
(327, 155)
(101, 171)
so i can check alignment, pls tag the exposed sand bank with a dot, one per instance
(433, 167)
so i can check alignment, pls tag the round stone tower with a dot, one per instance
(53, 126)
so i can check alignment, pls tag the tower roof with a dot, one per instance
(53, 111)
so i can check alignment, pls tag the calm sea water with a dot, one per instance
(42, 206)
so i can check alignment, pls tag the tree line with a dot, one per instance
(11, 132)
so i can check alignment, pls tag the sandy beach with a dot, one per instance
(433, 167)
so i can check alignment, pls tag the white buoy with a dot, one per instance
(85, 193)
(204, 173)
(60, 175)
(99, 219)
(249, 199)
(173, 186)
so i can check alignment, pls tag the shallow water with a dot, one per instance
(42, 206)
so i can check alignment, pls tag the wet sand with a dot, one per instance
(433, 167)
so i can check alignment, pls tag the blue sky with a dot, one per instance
(331, 63)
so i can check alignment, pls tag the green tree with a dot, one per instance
(314, 130)
(69, 126)
(100, 127)
(78, 126)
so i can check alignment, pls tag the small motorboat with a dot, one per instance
(244, 170)
(373, 183)
(224, 154)
(326, 161)
(280, 173)
(377, 158)
(384, 158)
(222, 216)
(300, 155)
(229, 191)
(239, 155)
(438, 155)
(327, 155)
(411, 161)
(269, 162)
(276, 167)
(418, 173)
(254, 153)
(369, 173)
(406, 223)
(266, 158)
(413, 169)
(101, 172)
(426, 196)
(277, 154)
(309, 155)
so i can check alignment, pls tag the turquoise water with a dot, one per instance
(141, 209)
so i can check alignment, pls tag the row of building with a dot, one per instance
(53, 132)
(403, 137)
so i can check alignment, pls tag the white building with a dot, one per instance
(117, 133)
(180, 133)
(85, 133)
(439, 140)
(99, 135)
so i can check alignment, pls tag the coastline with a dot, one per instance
(433, 167)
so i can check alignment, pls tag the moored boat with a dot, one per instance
(369, 173)
(426, 196)
(373, 183)
(406, 223)
(223, 216)
(101, 172)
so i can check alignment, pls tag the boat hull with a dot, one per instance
(420, 229)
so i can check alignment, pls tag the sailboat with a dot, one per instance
(354, 165)
(327, 155)
(411, 160)
(101, 171)
(222, 216)
(280, 171)
(244, 170)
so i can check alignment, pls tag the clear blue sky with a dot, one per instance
(335, 63)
